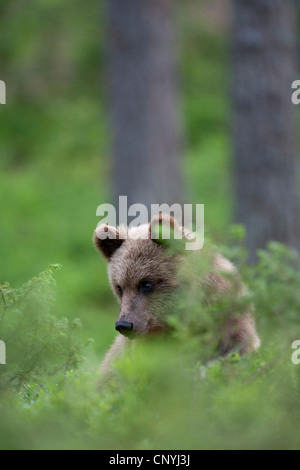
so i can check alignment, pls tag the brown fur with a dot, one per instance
(138, 258)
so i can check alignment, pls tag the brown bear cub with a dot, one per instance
(143, 274)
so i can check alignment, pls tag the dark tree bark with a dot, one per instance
(143, 92)
(264, 44)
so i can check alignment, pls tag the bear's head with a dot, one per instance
(142, 269)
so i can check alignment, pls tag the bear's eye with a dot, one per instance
(146, 287)
(119, 290)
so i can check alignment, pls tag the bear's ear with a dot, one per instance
(107, 240)
(165, 230)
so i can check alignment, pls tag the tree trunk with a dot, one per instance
(264, 44)
(143, 96)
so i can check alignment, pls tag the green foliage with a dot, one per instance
(167, 392)
(38, 344)
(275, 280)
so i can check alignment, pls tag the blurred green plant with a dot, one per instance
(166, 394)
(38, 344)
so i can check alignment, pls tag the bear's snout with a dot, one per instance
(124, 327)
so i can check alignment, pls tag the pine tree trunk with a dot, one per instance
(264, 44)
(143, 95)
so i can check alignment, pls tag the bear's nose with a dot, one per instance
(124, 327)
